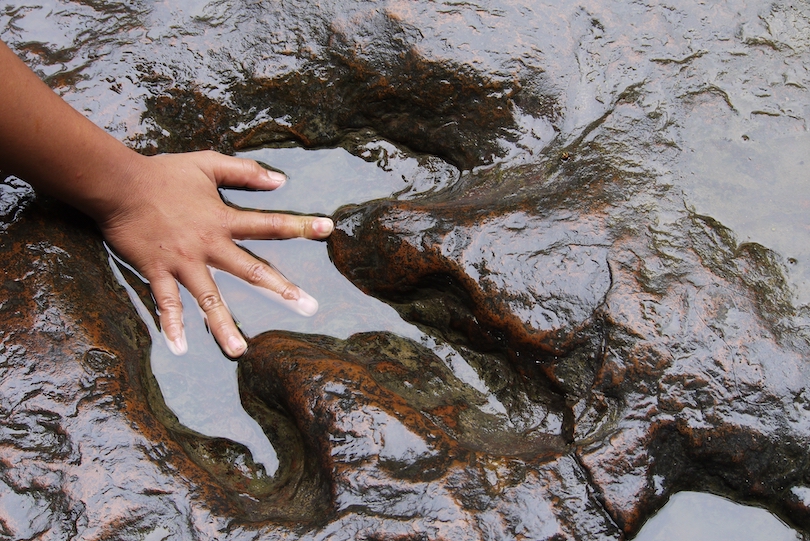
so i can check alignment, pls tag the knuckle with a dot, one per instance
(220, 328)
(170, 306)
(251, 167)
(210, 300)
(225, 217)
(255, 273)
(288, 290)
(273, 221)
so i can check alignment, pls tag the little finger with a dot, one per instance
(170, 311)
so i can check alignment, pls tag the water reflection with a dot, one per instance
(757, 184)
(200, 387)
(704, 517)
(319, 182)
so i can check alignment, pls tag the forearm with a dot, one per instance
(52, 146)
(162, 214)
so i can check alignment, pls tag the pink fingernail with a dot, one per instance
(276, 178)
(237, 345)
(307, 305)
(323, 226)
(178, 346)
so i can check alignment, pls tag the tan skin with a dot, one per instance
(162, 214)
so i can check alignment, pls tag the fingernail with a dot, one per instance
(306, 305)
(323, 226)
(178, 346)
(276, 178)
(237, 345)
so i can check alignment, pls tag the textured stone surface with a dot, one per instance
(592, 343)
(680, 363)
(374, 414)
(82, 453)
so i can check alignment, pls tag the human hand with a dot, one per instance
(162, 214)
(172, 225)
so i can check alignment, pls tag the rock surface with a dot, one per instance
(83, 455)
(592, 344)
(669, 351)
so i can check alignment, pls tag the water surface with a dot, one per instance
(695, 516)
(718, 110)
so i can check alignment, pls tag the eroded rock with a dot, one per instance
(668, 342)
(593, 345)
(89, 449)
(395, 472)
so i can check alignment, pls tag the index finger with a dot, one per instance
(257, 225)
(241, 172)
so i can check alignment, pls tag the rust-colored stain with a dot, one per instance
(592, 345)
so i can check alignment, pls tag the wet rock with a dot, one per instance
(371, 73)
(593, 344)
(532, 278)
(394, 471)
(89, 449)
(667, 341)
(679, 365)
(15, 195)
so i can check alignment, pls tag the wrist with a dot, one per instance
(104, 181)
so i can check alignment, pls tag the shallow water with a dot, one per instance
(745, 165)
(200, 387)
(695, 516)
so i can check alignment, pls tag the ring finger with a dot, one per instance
(220, 322)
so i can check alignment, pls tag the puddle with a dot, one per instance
(757, 184)
(200, 387)
(696, 516)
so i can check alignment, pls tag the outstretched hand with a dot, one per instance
(162, 214)
(172, 226)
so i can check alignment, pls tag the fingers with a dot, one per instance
(241, 173)
(201, 285)
(238, 172)
(267, 225)
(269, 281)
(170, 310)
(206, 239)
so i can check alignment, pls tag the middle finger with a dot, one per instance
(256, 225)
